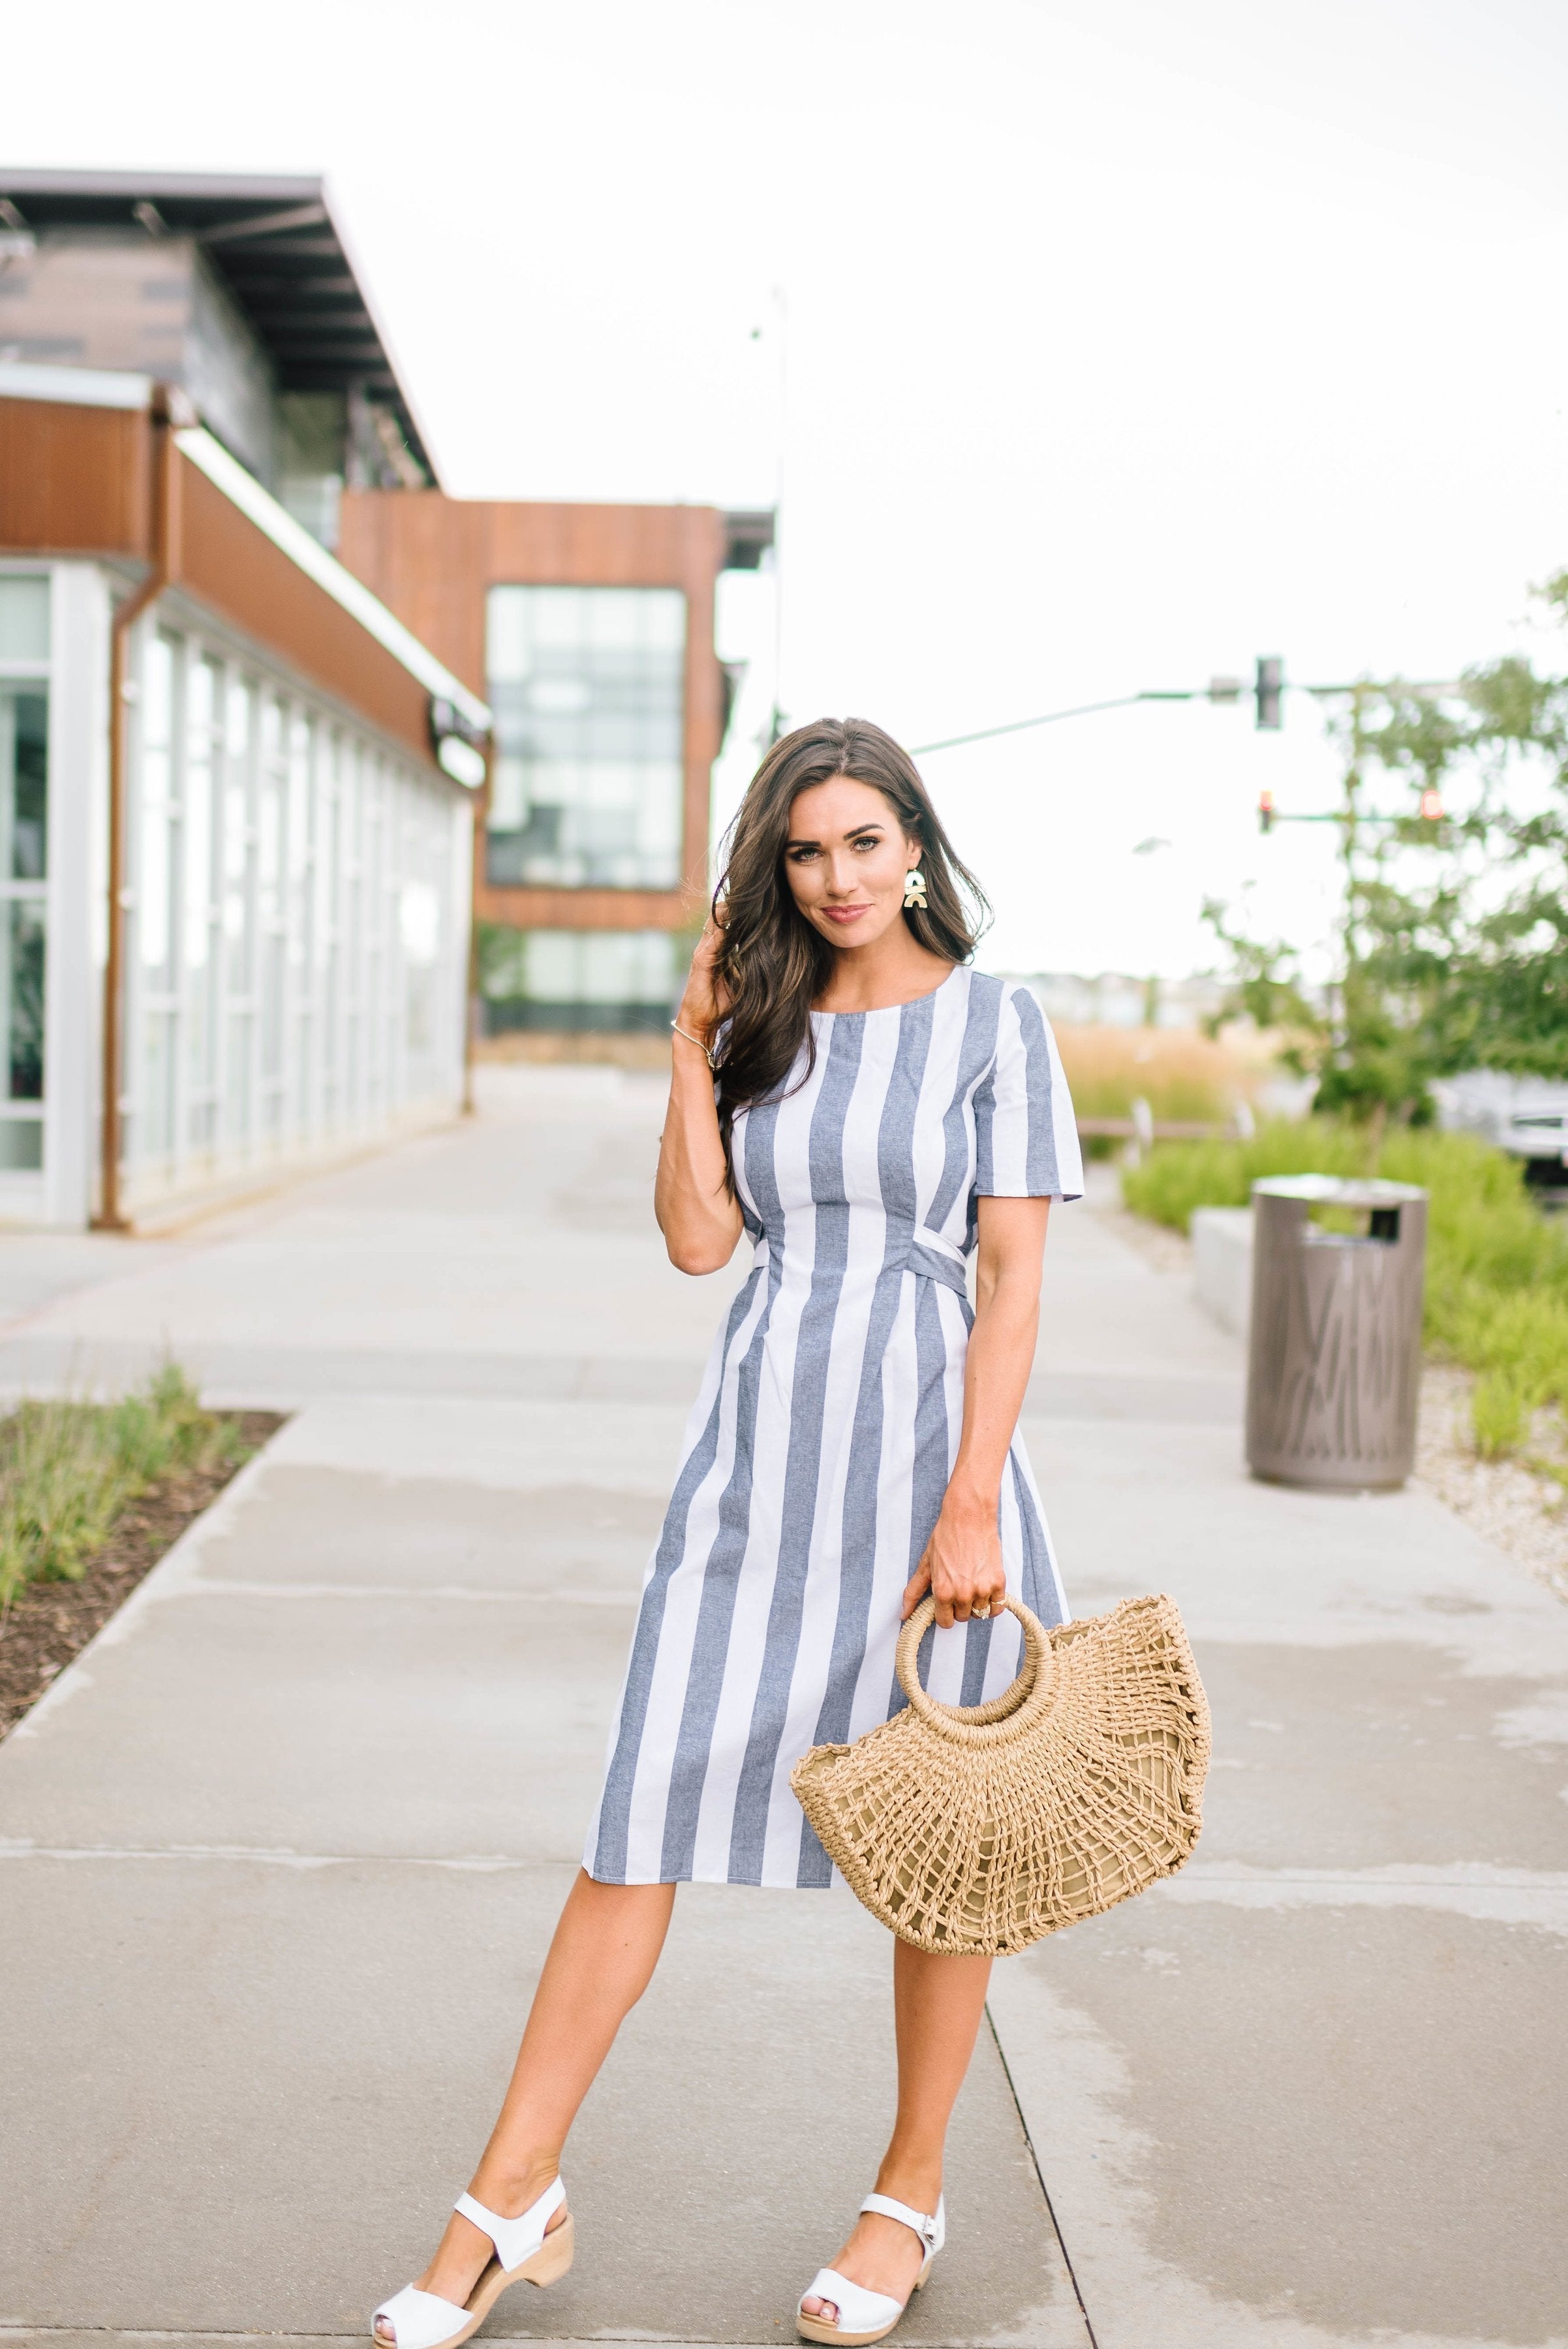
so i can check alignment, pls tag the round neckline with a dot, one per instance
(878, 1009)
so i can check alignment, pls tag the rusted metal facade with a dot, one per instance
(76, 480)
(79, 481)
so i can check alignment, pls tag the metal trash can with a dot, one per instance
(1334, 1359)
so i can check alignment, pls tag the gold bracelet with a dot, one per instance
(702, 1048)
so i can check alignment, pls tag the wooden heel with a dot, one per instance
(551, 2261)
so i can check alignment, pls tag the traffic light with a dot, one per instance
(1266, 811)
(1270, 690)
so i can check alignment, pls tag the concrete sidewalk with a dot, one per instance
(281, 1853)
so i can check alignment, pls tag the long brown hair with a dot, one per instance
(772, 964)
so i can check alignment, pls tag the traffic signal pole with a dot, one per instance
(1022, 725)
(1269, 689)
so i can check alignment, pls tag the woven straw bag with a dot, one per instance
(978, 1829)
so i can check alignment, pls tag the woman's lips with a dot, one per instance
(844, 913)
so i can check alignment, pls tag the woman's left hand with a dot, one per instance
(961, 1564)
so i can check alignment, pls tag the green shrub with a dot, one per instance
(67, 1468)
(1178, 1177)
(1496, 1269)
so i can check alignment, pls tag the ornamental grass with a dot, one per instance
(69, 1467)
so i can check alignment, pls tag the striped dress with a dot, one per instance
(822, 1440)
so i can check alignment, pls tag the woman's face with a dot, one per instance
(846, 859)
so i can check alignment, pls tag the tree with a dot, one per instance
(1453, 934)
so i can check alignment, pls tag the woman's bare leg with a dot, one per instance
(937, 2003)
(601, 1961)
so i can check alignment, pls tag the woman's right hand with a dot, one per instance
(701, 1007)
(697, 1210)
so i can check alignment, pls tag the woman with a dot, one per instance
(849, 1095)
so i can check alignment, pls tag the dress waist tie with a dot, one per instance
(930, 1257)
(935, 1257)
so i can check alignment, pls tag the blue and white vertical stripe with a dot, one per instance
(820, 1447)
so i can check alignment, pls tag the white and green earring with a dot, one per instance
(914, 890)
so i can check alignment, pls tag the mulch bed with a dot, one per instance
(47, 1623)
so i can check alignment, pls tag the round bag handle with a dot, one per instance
(1007, 1715)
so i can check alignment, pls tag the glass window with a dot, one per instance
(238, 838)
(21, 1146)
(588, 684)
(22, 998)
(235, 881)
(24, 851)
(292, 943)
(202, 782)
(157, 1135)
(563, 979)
(334, 756)
(270, 887)
(24, 620)
(24, 784)
(160, 826)
(419, 924)
(301, 834)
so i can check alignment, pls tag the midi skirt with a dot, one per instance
(820, 1446)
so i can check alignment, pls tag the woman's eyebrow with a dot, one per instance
(873, 824)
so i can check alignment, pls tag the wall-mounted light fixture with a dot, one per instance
(458, 743)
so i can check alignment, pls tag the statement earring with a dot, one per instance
(914, 890)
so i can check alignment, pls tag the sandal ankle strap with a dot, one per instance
(515, 2240)
(930, 2230)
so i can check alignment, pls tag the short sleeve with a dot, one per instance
(1026, 1135)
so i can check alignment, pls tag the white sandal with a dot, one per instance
(867, 2315)
(524, 2253)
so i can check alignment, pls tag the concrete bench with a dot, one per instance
(1222, 1265)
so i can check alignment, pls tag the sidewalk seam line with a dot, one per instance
(1039, 2174)
(463, 1863)
(213, 1585)
(9, 2332)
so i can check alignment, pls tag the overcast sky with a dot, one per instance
(1125, 342)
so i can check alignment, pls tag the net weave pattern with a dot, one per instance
(977, 1829)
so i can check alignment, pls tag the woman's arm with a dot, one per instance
(699, 1216)
(963, 1562)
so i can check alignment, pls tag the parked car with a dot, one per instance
(1526, 1116)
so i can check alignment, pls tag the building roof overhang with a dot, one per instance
(278, 248)
(307, 554)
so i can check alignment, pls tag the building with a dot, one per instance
(589, 631)
(1112, 999)
(239, 292)
(240, 852)
(236, 793)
